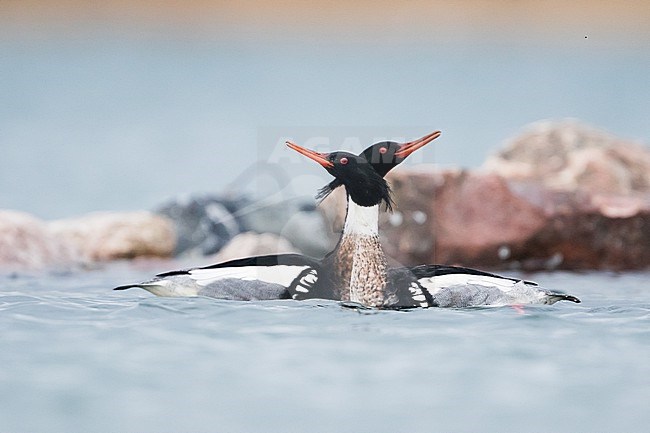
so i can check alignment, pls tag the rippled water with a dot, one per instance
(77, 357)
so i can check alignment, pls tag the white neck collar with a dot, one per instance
(361, 220)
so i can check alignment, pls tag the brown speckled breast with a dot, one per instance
(368, 271)
(343, 266)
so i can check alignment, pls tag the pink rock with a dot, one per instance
(105, 236)
(599, 232)
(456, 216)
(594, 189)
(615, 206)
(27, 244)
(568, 156)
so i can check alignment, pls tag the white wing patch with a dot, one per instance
(306, 282)
(436, 283)
(278, 274)
(418, 295)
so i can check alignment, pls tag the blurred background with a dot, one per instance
(119, 105)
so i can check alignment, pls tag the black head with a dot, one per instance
(386, 155)
(383, 157)
(362, 182)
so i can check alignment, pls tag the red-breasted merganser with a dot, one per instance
(370, 282)
(278, 276)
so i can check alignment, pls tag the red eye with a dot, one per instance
(343, 160)
(383, 150)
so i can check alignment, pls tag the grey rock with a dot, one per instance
(297, 220)
(254, 244)
(204, 224)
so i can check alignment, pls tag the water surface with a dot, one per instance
(77, 357)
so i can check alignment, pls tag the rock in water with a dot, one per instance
(481, 219)
(308, 231)
(571, 156)
(254, 244)
(26, 243)
(204, 224)
(297, 220)
(105, 236)
(456, 216)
